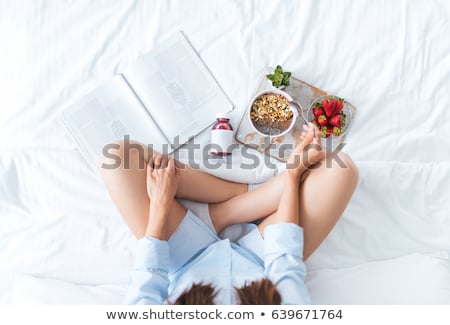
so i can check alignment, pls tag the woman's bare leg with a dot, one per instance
(126, 183)
(127, 188)
(324, 195)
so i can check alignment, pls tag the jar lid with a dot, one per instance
(222, 115)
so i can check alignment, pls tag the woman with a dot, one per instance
(181, 258)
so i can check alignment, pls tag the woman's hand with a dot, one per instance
(162, 184)
(162, 179)
(307, 153)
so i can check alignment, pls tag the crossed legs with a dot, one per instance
(324, 194)
(323, 197)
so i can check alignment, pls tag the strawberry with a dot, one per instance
(329, 106)
(332, 106)
(336, 131)
(338, 120)
(314, 121)
(340, 104)
(322, 120)
(317, 111)
(324, 132)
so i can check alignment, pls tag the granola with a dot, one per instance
(274, 107)
(271, 113)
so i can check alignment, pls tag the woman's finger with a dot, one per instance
(149, 170)
(157, 161)
(149, 167)
(316, 131)
(171, 165)
(164, 162)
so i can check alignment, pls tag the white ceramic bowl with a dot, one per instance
(294, 106)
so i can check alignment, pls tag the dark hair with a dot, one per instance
(198, 294)
(261, 292)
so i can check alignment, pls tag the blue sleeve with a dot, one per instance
(149, 281)
(283, 262)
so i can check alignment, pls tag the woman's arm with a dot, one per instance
(283, 262)
(307, 153)
(283, 247)
(283, 237)
(149, 278)
(288, 207)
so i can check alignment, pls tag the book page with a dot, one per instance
(177, 89)
(106, 115)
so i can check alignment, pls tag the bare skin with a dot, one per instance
(322, 194)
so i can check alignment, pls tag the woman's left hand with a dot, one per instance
(162, 179)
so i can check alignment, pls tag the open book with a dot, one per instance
(168, 93)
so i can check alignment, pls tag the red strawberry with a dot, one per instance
(336, 131)
(340, 104)
(338, 120)
(332, 106)
(314, 121)
(324, 132)
(329, 107)
(322, 120)
(317, 111)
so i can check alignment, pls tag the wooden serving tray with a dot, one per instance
(281, 147)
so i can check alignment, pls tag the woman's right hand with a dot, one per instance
(307, 153)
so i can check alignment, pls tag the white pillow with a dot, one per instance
(30, 290)
(411, 279)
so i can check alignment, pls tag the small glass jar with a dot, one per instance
(221, 136)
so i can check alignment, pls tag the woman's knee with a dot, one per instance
(338, 167)
(342, 164)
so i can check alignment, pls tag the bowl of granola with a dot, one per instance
(273, 113)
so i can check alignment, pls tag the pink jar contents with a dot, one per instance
(221, 136)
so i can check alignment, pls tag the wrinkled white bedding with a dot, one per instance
(388, 58)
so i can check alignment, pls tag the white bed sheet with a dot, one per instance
(389, 58)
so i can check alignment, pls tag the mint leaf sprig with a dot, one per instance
(279, 77)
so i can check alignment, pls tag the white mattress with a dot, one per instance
(388, 58)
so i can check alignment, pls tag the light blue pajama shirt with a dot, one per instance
(194, 254)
